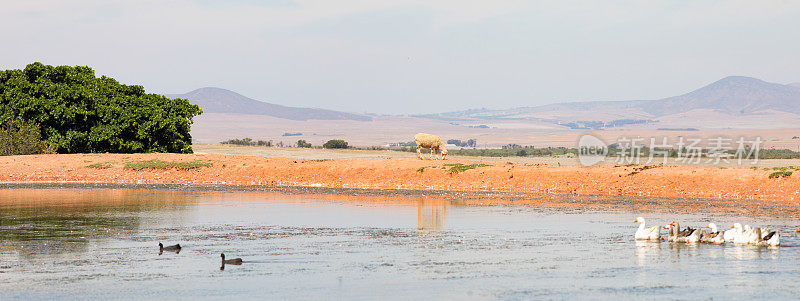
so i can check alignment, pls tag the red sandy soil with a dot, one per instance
(658, 181)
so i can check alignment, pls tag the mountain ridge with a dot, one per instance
(734, 95)
(219, 100)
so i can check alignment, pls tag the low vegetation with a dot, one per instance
(778, 154)
(103, 165)
(786, 168)
(637, 170)
(247, 142)
(22, 138)
(159, 164)
(454, 167)
(515, 152)
(422, 169)
(458, 167)
(780, 174)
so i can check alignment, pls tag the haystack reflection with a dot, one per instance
(431, 216)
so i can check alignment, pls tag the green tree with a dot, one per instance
(20, 138)
(336, 143)
(81, 113)
(303, 143)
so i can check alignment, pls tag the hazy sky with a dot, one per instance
(411, 56)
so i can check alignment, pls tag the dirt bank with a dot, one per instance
(405, 174)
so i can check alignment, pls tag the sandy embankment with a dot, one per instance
(402, 173)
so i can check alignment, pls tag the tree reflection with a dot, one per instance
(56, 221)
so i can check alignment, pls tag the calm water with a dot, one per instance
(103, 243)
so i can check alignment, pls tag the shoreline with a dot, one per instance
(402, 176)
(558, 202)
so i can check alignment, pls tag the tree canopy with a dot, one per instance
(335, 143)
(78, 112)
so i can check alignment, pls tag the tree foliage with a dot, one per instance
(303, 143)
(81, 113)
(336, 143)
(21, 138)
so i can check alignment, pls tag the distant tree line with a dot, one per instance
(515, 152)
(467, 143)
(403, 144)
(599, 125)
(335, 143)
(247, 142)
(515, 146)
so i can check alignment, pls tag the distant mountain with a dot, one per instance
(733, 95)
(217, 100)
(736, 95)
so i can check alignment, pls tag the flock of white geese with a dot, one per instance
(737, 234)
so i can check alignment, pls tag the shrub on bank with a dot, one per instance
(780, 174)
(22, 138)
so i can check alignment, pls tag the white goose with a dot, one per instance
(765, 232)
(730, 234)
(751, 235)
(694, 237)
(747, 235)
(752, 231)
(652, 233)
(688, 235)
(715, 237)
(738, 234)
(771, 239)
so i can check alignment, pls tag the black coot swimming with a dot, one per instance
(235, 261)
(174, 248)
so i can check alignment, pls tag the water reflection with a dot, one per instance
(56, 221)
(746, 252)
(351, 247)
(646, 251)
(431, 216)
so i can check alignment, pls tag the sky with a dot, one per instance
(411, 57)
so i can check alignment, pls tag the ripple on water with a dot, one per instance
(300, 248)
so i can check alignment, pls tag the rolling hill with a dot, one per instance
(217, 100)
(730, 106)
(736, 95)
(730, 97)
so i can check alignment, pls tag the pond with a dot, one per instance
(103, 243)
